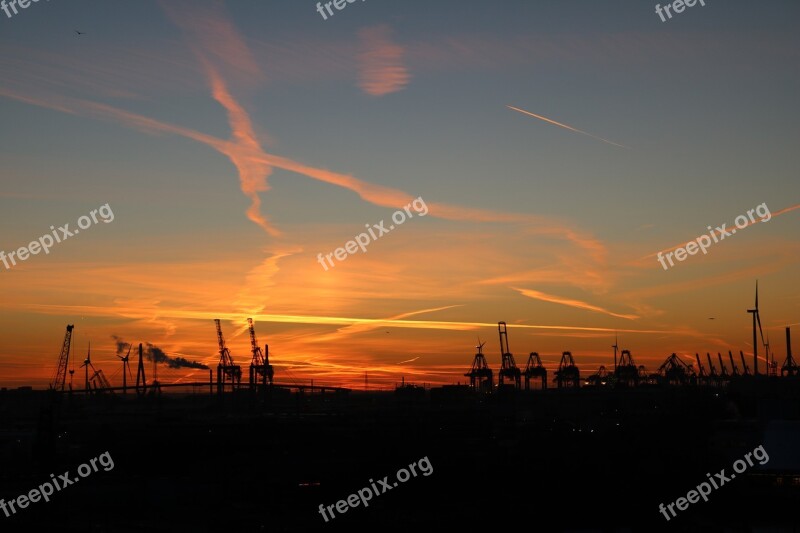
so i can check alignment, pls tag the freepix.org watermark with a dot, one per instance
(11, 5)
(717, 481)
(47, 241)
(364, 495)
(704, 241)
(362, 239)
(48, 488)
(677, 6)
(338, 4)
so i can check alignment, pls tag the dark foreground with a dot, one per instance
(579, 460)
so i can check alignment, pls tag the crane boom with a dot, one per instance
(63, 361)
(258, 356)
(225, 357)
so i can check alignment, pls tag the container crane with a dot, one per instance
(480, 375)
(535, 369)
(226, 369)
(567, 375)
(626, 372)
(259, 364)
(508, 367)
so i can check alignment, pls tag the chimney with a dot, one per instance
(788, 344)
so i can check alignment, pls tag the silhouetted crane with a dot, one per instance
(674, 371)
(508, 367)
(567, 375)
(701, 372)
(723, 370)
(535, 369)
(259, 364)
(480, 375)
(734, 370)
(626, 372)
(712, 372)
(226, 369)
(745, 368)
(599, 378)
(60, 377)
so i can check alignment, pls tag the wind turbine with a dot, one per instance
(615, 346)
(87, 363)
(480, 345)
(756, 318)
(125, 366)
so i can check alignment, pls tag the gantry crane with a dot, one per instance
(567, 375)
(675, 372)
(535, 369)
(60, 377)
(226, 369)
(508, 367)
(480, 375)
(626, 371)
(259, 364)
(599, 378)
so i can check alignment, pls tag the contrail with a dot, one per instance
(564, 126)
(569, 302)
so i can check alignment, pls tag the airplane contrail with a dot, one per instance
(564, 126)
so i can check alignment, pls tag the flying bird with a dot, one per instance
(80, 32)
(563, 125)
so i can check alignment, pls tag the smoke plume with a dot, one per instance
(154, 353)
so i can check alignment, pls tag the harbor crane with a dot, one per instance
(567, 375)
(226, 369)
(480, 375)
(626, 372)
(260, 369)
(508, 367)
(535, 369)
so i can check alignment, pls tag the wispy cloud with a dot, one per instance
(381, 68)
(571, 303)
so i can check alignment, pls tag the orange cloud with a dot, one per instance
(381, 68)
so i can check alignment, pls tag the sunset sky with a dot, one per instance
(235, 141)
